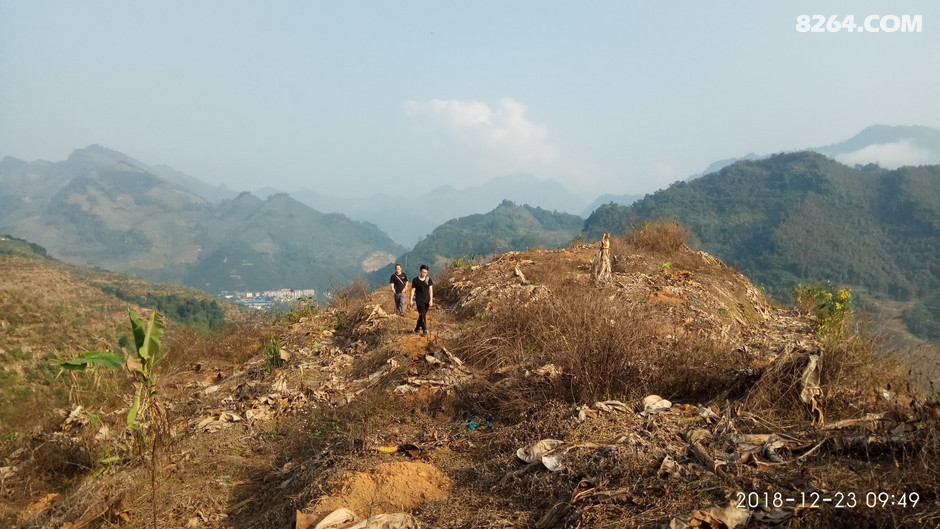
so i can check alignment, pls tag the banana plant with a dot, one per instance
(147, 337)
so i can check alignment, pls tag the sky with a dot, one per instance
(353, 98)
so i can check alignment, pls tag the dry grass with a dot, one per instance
(230, 346)
(853, 374)
(605, 349)
(607, 342)
(50, 310)
(854, 381)
(922, 364)
(658, 237)
(347, 297)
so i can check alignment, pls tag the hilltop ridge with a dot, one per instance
(673, 393)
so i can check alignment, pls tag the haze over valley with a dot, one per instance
(685, 261)
(106, 209)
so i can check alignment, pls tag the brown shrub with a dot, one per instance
(659, 237)
(923, 364)
(346, 296)
(347, 304)
(853, 380)
(776, 393)
(186, 346)
(850, 369)
(605, 348)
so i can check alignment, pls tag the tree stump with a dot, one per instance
(601, 270)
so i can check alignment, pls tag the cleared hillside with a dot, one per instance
(50, 310)
(531, 404)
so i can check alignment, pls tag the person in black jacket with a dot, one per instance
(422, 297)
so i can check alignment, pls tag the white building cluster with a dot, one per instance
(264, 299)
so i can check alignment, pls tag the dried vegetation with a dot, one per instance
(671, 395)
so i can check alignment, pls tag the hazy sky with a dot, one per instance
(354, 97)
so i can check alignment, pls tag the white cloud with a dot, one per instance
(502, 136)
(890, 155)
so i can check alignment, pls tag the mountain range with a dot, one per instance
(409, 218)
(105, 209)
(101, 208)
(405, 215)
(782, 219)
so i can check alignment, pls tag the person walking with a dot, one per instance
(422, 297)
(399, 282)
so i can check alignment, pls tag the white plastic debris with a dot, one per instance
(653, 404)
(535, 451)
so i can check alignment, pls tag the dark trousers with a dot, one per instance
(422, 307)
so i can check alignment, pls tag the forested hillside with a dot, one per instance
(507, 227)
(802, 217)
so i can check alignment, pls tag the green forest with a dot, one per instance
(804, 218)
(188, 311)
(12, 246)
(507, 227)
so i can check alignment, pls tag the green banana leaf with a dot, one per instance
(147, 338)
(108, 359)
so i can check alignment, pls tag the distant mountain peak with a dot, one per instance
(99, 150)
(883, 134)
(95, 156)
(889, 146)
